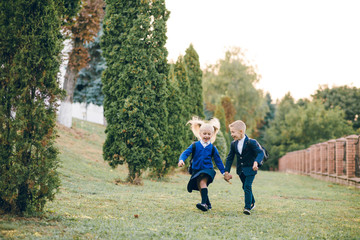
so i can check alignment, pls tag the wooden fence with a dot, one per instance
(335, 160)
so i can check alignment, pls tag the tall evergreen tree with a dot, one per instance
(134, 84)
(159, 16)
(221, 142)
(220, 114)
(182, 78)
(194, 72)
(30, 46)
(175, 141)
(222, 146)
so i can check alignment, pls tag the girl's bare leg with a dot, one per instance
(203, 182)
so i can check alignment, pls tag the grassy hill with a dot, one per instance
(91, 205)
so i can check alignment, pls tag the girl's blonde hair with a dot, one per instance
(198, 125)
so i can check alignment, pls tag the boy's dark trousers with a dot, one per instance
(247, 187)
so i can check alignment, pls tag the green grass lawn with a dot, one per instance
(90, 205)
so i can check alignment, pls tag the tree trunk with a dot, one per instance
(65, 113)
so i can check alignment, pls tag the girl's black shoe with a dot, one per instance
(202, 206)
(208, 204)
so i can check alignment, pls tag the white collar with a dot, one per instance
(204, 144)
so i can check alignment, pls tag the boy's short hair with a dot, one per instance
(238, 125)
(207, 126)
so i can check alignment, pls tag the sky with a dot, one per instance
(295, 45)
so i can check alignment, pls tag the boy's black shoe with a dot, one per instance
(252, 206)
(202, 207)
(246, 211)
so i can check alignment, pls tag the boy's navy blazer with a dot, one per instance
(251, 152)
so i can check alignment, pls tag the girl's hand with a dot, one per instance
(227, 177)
(255, 166)
(181, 163)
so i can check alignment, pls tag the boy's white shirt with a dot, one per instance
(241, 144)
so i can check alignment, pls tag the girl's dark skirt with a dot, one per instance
(192, 185)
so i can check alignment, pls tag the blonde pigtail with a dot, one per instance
(196, 123)
(215, 123)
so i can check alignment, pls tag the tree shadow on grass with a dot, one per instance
(13, 226)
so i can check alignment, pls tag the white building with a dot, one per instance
(91, 112)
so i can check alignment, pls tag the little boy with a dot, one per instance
(248, 154)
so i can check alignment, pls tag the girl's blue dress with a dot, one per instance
(192, 185)
(202, 163)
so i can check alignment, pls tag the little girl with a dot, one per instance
(203, 172)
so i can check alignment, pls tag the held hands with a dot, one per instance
(181, 163)
(255, 166)
(227, 177)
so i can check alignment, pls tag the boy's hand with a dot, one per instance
(181, 163)
(227, 177)
(255, 166)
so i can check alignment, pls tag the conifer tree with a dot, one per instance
(221, 145)
(181, 74)
(177, 130)
(88, 85)
(182, 78)
(30, 46)
(134, 84)
(159, 16)
(220, 114)
(194, 71)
